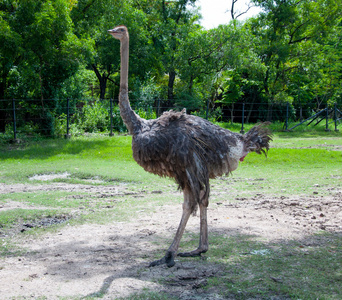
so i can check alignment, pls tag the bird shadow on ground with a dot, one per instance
(117, 265)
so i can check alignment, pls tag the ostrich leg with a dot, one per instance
(169, 257)
(203, 243)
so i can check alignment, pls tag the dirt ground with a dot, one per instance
(111, 260)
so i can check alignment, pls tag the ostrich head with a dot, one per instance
(119, 32)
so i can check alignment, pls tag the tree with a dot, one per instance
(49, 49)
(168, 24)
(288, 31)
(93, 19)
(39, 50)
(206, 54)
(235, 13)
(327, 70)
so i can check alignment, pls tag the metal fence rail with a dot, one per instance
(319, 116)
(18, 116)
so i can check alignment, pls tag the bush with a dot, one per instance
(146, 114)
(213, 115)
(60, 124)
(94, 117)
(118, 124)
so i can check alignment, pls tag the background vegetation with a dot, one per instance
(51, 50)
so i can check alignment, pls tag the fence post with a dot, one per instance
(14, 122)
(158, 108)
(111, 117)
(287, 116)
(67, 136)
(327, 119)
(335, 116)
(242, 131)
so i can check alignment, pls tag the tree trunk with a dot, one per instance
(250, 112)
(2, 106)
(191, 83)
(103, 86)
(102, 80)
(3, 115)
(251, 107)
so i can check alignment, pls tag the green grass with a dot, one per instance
(300, 131)
(296, 269)
(298, 163)
(7, 218)
(310, 268)
(58, 199)
(285, 171)
(148, 295)
(108, 158)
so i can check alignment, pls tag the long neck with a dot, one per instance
(130, 118)
(124, 63)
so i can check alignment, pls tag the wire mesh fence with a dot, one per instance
(25, 118)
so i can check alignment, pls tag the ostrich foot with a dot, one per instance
(194, 253)
(168, 259)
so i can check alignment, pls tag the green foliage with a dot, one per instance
(292, 36)
(213, 116)
(47, 50)
(145, 95)
(60, 125)
(190, 101)
(93, 117)
(118, 124)
(58, 49)
(78, 86)
(149, 114)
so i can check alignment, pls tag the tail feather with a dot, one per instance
(258, 138)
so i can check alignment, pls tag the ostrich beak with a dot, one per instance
(244, 154)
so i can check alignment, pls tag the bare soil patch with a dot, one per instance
(47, 177)
(110, 261)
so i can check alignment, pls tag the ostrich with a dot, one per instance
(187, 148)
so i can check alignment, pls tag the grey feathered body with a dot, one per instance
(189, 149)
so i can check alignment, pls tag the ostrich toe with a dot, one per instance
(168, 259)
(194, 253)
